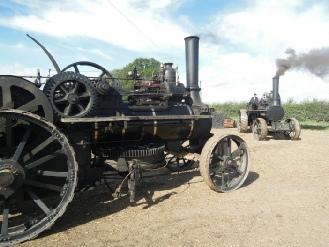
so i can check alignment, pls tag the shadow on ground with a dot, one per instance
(99, 202)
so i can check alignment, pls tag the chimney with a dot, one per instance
(192, 69)
(276, 99)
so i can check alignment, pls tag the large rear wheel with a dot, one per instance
(38, 175)
(243, 121)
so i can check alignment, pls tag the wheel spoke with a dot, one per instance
(227, 147)
(5, 218)
(42, 145)
(9, 133)
(43, 185)
(29, 106)
(223, 179)
(53, 174)
(80, 107)
(43, 160)
(75, 88)
(22, 143)
(236, 168)
(170, 160)
(85, 95)
(63, 89)
(37, 200)
(6, 96)
(68, 110)
(215, 158)
(61, 101)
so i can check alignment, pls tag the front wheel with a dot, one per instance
(224, 162)
(259, 129)
(294, 129)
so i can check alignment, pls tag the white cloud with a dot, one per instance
(249, 41)
(238, 47)
(21, 70)
(121, 23)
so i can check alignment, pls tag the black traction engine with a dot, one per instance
(266, 115)
(79, 129)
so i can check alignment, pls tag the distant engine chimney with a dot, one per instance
(192, 69)
(276, 97)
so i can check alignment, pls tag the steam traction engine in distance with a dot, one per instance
(78, 129)
(266, 115)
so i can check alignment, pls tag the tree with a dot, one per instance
(146, 67)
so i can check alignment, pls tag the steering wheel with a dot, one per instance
(89, 64)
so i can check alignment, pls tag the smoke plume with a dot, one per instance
(315, 61)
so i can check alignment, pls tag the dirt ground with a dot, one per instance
(283, 202)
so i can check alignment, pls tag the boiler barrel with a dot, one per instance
(168, 128)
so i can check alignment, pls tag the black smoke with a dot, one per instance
(316, 61)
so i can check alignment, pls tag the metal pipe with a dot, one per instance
(192, 68)
(276, 100)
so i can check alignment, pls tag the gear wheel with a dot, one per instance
(151, 155)
(71, 95)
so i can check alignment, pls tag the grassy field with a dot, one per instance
(324, 126)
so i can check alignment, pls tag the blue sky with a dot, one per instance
(239, 40)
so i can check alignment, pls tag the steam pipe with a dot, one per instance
(192, 68)
(276, 100)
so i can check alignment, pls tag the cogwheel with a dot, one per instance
(71, 95)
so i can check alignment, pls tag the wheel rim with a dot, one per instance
(259, 129)
(89, 64)
(18, 93)
(40, 172)
(72, 95)
(224, 163)
(177, 164)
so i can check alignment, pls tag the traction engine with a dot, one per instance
(266, 115)
(78, 129)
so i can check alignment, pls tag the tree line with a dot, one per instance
(308, 110)
(146, 68)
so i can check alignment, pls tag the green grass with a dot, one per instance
(323, 126)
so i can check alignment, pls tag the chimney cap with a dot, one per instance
(192, 37)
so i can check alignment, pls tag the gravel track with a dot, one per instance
(283, 202)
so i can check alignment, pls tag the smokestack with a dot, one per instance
(192, 68)
(276, 100)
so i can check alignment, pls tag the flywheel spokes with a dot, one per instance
(21, 94)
